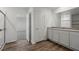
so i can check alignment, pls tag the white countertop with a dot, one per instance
(66, 29)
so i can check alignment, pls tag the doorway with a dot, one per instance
(21, 30)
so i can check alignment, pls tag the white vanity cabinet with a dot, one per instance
(50, 34)
(59, 36)
(64, 38)
(55, 35)
(74, 40)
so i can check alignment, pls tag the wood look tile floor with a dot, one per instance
(23, 45)
(19, 45)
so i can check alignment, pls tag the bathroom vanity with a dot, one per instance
(67, 37)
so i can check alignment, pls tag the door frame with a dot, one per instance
(30, 27)
(4, 27)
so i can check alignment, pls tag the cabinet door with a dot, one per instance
(55, 35)
(64, 38)
(74, 40)
(50, 34)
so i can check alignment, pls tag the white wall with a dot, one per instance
(42, 18)
(11, 34)
(55, 21)
(11, 25)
